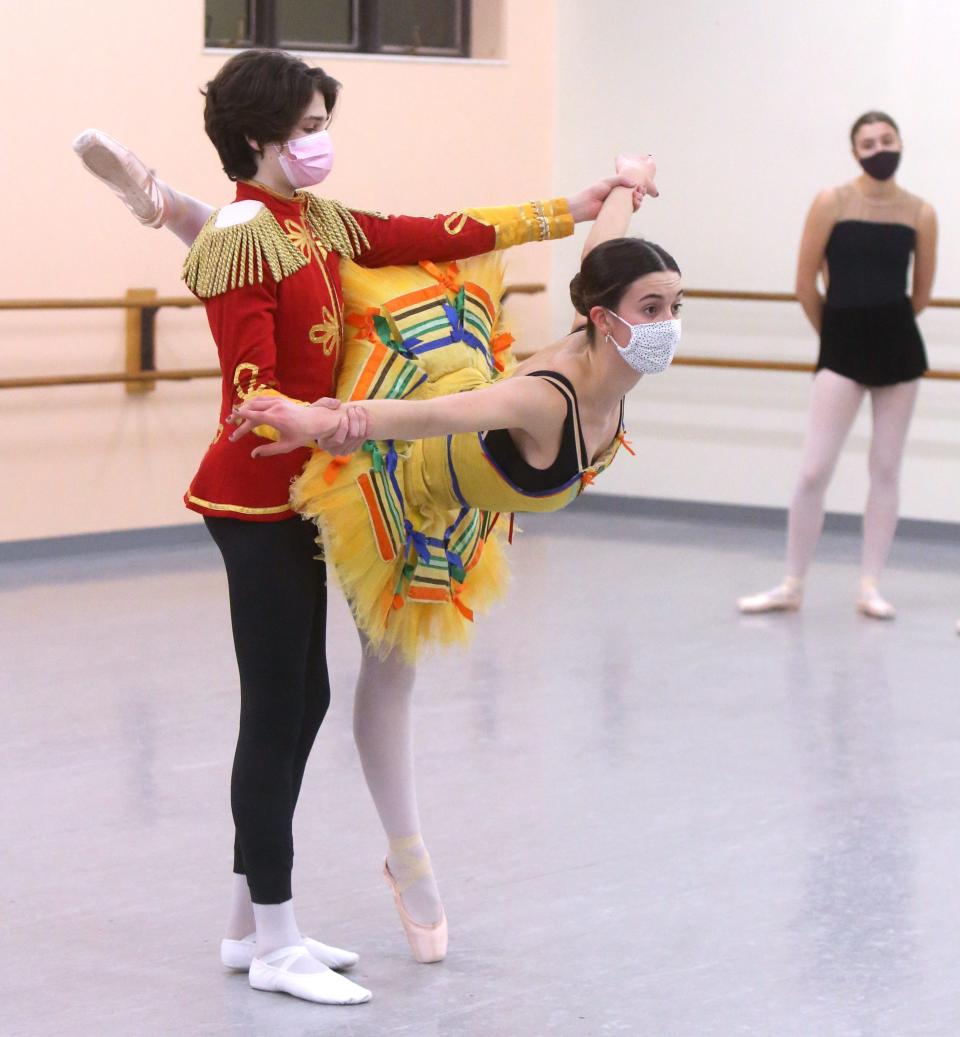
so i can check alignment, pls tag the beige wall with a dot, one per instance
(746, 106)
(412, 136)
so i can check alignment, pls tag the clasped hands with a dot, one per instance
(326, 424)
(637, 172)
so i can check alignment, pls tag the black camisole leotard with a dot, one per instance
(869, 333)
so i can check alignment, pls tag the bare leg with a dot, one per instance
(383, 732)
(834, 404)
(893, 408)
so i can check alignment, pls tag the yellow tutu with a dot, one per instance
(415, 560)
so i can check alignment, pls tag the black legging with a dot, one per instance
(278, 606)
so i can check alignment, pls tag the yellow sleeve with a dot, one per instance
(518, 224)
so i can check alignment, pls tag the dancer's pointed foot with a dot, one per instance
(238, 954)
(129, 179)
(409, 875)
(294, 971)
(871, 603)
(785, 597)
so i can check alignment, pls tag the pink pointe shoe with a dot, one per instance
(870, 603)
(125, 175)
(785, 597)
(428, 943)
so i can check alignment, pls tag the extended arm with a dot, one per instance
(613, 220)
(470, 232)
(813, 245)
(527, 404)
(925, 259)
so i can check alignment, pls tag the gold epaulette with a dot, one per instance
(335, 227)
(223, 258)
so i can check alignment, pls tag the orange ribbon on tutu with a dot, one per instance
(499, 344)
(448, 277)
(458, 603)
(363, 322)
(334, 468)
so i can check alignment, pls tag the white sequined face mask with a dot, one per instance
(651, 347)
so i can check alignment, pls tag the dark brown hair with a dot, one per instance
(868, 119)
(609, 269)
(259, 94)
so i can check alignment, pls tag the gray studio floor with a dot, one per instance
(649, 816)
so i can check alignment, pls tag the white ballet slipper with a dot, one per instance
(238, 954)
(786, 597)
(129, 179)
(272, 972)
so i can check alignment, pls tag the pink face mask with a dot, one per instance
(306, 160)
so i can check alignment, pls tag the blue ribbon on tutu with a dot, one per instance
(417, 541)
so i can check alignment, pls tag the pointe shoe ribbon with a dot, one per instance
(238, 954)
(273, 972)
(428, 943)
(129, 179)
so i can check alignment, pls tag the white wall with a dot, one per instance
(746, 106)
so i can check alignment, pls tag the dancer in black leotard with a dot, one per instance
(861, 236)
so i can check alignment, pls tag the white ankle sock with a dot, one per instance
(240, 920)
(277, 928)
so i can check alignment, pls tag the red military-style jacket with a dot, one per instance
(268, 272)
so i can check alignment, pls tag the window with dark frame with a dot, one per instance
(439, 28)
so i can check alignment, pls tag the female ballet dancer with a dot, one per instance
(862, 235)
(267, 268)
(407, 522)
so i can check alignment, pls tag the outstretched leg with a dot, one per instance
(834, 404)
(152, 202)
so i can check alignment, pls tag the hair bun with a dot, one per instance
(576, 296)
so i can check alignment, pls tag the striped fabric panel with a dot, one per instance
(385, 375)
(479, 313)
(430, 580)
(420, 315)
(386, 513)
(469, 535)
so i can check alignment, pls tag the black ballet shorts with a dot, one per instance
(872, 345)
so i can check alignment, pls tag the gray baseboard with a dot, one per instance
(701, 512)
(98, 543)
(741, 515)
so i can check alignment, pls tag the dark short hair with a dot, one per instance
(259, 94)
(868, 119)
(609, 269)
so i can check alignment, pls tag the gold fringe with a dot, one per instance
(223, 258)
(335, 227)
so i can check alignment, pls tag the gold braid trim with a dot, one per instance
(335, 227)
(223, 258)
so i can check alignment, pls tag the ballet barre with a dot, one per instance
(140, 374)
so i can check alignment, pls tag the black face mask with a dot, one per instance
(881, 165)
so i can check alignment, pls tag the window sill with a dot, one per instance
(339, 55)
